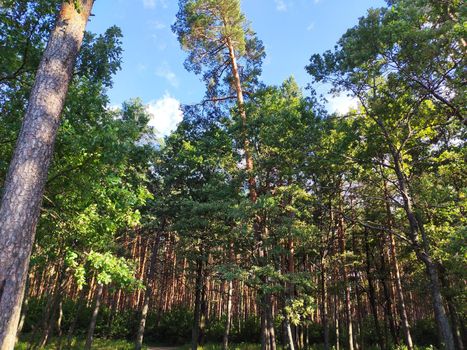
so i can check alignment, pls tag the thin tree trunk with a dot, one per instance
(24, 309)
(452, 313)
(228, 321)
(27, 174)
(270, 323)
(59, 325)
(336, 319)
(324, 305)
(71, 330)
(423, 254)
(395, 266)
(348, 305)
(198, 301)
(95, 312)
(148, 293)
(290, 338)
(372, 294)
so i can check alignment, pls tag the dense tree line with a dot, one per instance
(262, 218)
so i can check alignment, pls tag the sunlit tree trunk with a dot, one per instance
(27, 174)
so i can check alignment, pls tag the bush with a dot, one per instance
(173, 327)
(249, 331)
(425, 333)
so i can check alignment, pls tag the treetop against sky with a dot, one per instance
(153, 61)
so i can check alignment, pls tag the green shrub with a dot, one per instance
(173, 327)
(425, 333)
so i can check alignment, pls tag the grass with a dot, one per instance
(107, 344)
(77, 344)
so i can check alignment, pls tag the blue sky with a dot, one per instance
(292, 30)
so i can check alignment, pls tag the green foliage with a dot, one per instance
(172, 327)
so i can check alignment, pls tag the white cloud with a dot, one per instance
(311, 26)
(157, 25)
(341, 104)
(165, 72)
(165, 114)
(280, 5)
(152, 4)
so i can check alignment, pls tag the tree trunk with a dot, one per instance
(95, 312)
(71, 330)
(228, 321)
(336, 319)
(24, 309)
(270, 323)
(198, 301)
(423, 254)
(59, 325)
(324, 305)
(290, 338)
(395, 266)
(27, 174)
(265, 333)
(372, 294)
(148, 293)
(348, 303)
(454, 316)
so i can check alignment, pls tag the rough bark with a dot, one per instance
(27, 174)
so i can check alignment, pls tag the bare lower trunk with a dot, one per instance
(397, 276)
(372, 294)
(453, 313)
(147, 294)
(59, 325)
(422, 250)
(290, 340)
(270, 324)
(71, 330)
(324, 306)
(348, 302)
(24, 310)
(336, 319)
(198, 301)
(400, 296)
(95, 312)
(24, 185)
(228, 321)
